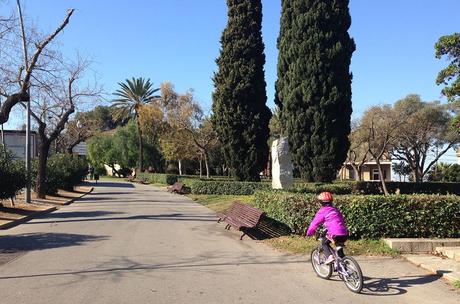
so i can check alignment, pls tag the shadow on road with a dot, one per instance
(162, 217)
(73, 214)
(41, 241)
(113, 185)
(395, 286)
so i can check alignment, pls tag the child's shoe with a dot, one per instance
(329, 260)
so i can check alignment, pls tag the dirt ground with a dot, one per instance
(11, 212)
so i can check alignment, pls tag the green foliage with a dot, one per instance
(122, 148)
(130, 97)
(371, 216)
(12, 175)
(449, 46)
(158, 178)
(315, 188)
(407, 188)
(241, 116)
(227, 187)
(64, 172)
(313, 89)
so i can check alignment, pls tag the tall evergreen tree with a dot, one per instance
(313, 89)
(241, 116)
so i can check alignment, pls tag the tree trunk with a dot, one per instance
(40, 186)
(180, 166)
(141, 145)
(201, 170)
(382, 178)
(206, 164)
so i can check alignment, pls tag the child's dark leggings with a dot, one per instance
(339, 241)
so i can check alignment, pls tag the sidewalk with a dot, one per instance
(421, 252)
(13, 215)
(447, 268)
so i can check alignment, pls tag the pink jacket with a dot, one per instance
(332, 219)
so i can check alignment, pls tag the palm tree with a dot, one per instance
(131, 96)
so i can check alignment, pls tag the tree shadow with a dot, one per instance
(41, 241)
(77, 214)
(113, 185)
(110, 193)
(395, 286)
(159, 217)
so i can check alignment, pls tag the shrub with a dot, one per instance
(227, 187)
(159, 178)
(408, 188)
(338, 188)
(13, 177)
(372, 216)
(64, 172)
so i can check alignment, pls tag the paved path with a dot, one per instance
(139, 244)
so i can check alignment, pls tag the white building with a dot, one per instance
(15, 141)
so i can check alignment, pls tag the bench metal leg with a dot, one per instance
(227, 227)
(241, 238)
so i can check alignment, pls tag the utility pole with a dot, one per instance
(1, 130)
(26, 65)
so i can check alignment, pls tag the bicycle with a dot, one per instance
(346, 267)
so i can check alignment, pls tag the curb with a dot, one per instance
(75, 198)
(26, 218)
(29, 217)
(433, 265)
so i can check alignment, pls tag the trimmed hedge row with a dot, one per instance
(159, 178)
(336, 188)
(227, 187)
(407, 188)
(372, 216)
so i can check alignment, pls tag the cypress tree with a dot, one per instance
(240, 114)
(313, 89)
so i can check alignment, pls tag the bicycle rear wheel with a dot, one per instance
(317, 261)
(354, 279)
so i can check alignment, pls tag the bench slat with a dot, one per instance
(241, 216)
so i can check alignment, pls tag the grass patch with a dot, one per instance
(111, 178)
(220, 203)
(456, 284)
(302, 245)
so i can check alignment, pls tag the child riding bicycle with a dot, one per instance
(334, 222)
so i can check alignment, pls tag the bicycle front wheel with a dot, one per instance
(317, 261)
(354, 278)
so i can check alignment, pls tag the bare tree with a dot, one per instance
(16, 76)
(54, 102)
(358, 153)
(380, 125)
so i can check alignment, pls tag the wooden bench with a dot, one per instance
(241, 217)
(178, 188)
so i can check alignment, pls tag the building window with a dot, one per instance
(351, 174)
(375, 174)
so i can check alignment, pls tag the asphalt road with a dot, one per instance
(139, 244)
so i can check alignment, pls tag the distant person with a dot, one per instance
(91, 173)
(96, 177)
(334, 222)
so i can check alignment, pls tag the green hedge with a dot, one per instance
(159, 178)
(63, 171)
(336, 188)
(407, 188)
(12, 175)
(372, 216)
(227, 187)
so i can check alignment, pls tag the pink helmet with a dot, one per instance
(325, 197)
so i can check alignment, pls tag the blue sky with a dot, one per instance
(178, 41)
